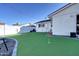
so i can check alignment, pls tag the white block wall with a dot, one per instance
(11, 29)
(8, 29)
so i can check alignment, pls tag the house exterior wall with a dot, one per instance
(64, 22)
(46, 28)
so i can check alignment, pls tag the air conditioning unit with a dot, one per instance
(73, 34)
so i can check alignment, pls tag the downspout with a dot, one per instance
(4, 29)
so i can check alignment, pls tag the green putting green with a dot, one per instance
(40, 44)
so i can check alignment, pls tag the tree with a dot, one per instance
(17, 24)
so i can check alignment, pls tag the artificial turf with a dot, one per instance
(41, 44)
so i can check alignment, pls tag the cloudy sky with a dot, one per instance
(26, 12)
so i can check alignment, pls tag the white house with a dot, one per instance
(43, 26)
(26, 28)
(65, 20)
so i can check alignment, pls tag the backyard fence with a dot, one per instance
(8, 29)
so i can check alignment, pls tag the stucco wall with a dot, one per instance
(65, 21)
(46, 28)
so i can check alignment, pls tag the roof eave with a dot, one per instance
(60, 9)
(42, 21)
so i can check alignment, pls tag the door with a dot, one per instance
(77, 24)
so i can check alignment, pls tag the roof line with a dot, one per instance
(42, 21)
(61, 9)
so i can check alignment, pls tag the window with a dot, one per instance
(38, 25)
(41, 25)
(77, 27)
(77, 19)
